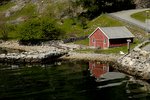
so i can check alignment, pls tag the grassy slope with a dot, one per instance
(141, 16)
(102, 21)
(75, 29)
(27, 12)
(5, 7)
(71, 29)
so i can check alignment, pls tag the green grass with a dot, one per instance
(28, 11)
(76, 29)
(6, 6)
(83, 42)
(71, 26)
(70, 29)
(102, 21)
(141, 16)
(115, 50)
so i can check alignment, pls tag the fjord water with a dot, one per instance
(68, 81)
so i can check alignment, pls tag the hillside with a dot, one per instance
(16, 12)
(142, 3)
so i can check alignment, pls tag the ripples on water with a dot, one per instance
(69, 81)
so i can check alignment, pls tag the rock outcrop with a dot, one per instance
(137, 62)
(29, 54)
(142, 3)
(30, 57)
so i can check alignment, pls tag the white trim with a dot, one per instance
(105, 41)
(102, 32)
(93, 32)
(108, 44)
(106, 37)
(96, 30)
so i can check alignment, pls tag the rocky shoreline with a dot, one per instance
(137, 62)
(30, 57)
(74, 56)
(50, 51)
(29, 54)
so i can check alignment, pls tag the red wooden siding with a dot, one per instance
(98, 39)
(97, 69)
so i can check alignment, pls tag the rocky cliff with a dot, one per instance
(142, 3)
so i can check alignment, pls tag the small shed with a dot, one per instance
(107, 37)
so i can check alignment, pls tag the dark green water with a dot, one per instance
(68, 81)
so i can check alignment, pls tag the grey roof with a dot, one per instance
(117, 32)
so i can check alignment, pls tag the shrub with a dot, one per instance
(4, 31)
(39, 29)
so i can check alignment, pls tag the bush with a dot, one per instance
(4, 31)
(39, 29)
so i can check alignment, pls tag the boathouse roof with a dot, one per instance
(115, 32)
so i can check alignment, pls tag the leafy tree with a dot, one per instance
(30, 30)
(3, 27)
(50, 29)
(39, 29)
(96, 7)
(3, 2)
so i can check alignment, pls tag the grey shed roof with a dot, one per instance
(117, 32)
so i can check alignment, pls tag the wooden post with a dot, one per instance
(128, 45)
(146, 21)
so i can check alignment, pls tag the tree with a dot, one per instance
(4, 2)
(50, 29)
(3, 27)
(39, 29)
(96, 7)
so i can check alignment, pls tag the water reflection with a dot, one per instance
(97, 69)
(69, 80)
(108, 78)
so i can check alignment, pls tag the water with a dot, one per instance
(69, 81)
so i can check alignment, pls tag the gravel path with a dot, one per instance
(91, 56)
(125, 16)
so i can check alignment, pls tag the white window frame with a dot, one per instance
(93, 40)
(105, 41)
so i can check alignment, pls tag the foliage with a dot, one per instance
(96, 7)
(4, 31)
(39, 28)
(30, 30)
(4, 2)
(6, 6)
(3, 27)
(51, 29)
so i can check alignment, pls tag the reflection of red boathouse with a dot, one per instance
(97, 69)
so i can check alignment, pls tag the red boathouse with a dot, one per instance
(106, 37)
